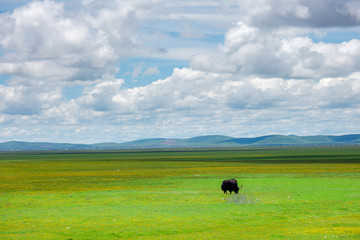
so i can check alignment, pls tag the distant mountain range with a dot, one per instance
(211, 141)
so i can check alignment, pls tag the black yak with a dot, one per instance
(230, 185)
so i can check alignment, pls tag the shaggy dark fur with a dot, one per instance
(230, 185)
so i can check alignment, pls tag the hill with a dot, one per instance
(210, 141)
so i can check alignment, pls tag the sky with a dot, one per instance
(86, 71)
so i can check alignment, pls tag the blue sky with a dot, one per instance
(98, 71)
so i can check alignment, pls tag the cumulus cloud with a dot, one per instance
(44, 45)
(27, 100)
(100, 96)
(192, 102)
(248, 50)
(188, 90)
(48, 39)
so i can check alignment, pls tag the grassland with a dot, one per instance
(288, 193)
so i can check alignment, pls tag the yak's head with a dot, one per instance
(237, 189)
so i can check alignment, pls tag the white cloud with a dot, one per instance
(248, 50)
(100, 96)
(25, 100)
(45, 47)
(190, 90)
(49, 40)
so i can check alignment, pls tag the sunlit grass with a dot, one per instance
(292, 193)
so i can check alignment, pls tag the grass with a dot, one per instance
(288, 193)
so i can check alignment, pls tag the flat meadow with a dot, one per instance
(287, 193)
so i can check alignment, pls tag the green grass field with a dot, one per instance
(288, 193)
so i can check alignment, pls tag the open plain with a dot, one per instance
(287, 193)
